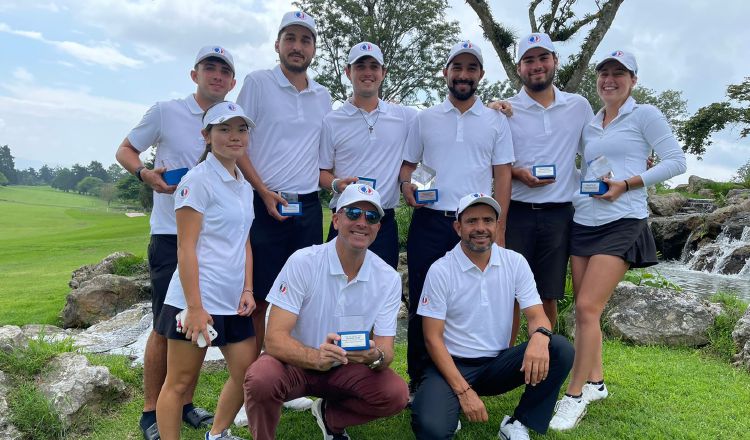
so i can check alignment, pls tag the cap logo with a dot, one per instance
(467, 44)
(535, 39)
(299, 14)
(365, 189)
(219, 50)
(617, 53)
(283, 288)
(184, 192)
(232, 107)
(367, 47)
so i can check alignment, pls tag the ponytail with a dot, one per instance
(206, 151)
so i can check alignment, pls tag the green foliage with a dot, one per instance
(64, 180)
(3, 180)
(697, 131)
(415, 37)
(129, 265)
(28, 361)
(89, 185)
(720, 339)
(743, 175)
(8, 165)
(128, 187)
(120, 367)
(640, 277)
(403, 220)
(33, 414)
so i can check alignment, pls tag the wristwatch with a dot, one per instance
(138, 172)
(379, 361)
(545, 331)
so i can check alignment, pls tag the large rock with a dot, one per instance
(12, 337)
(121, 331)
(736, 261)
(72, 384)
(671, 233)
(741, 337)
(106, 266)
(47, 333)
(7, 430)
(735, 196)
(100, 298)
(666, 204)
(649, 315)
(696, 184)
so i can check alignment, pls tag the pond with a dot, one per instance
(703, 283)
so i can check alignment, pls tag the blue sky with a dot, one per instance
(79, 74)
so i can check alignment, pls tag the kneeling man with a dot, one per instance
(326, 301)
(467, 311)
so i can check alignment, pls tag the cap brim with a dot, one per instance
(364, 56)
(300, 23)
(469, 51)
(219, 56)
(619, 61)
(484, 201)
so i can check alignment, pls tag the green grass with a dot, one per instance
(44, 235)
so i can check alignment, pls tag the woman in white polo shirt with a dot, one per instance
(213, 280)
(610, 232)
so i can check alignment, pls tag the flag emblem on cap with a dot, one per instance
(477, 195)
(467, 44)
(283, 288)
(617, 53)
(219, 50)
(535, 39)
(232, 107)
(365, 189)
(366, 47)
(300, 15)
(184, 192)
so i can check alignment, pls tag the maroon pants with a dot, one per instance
(354, 394)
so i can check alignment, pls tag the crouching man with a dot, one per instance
(467, 311)
(326, 301)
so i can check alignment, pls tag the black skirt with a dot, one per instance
(627, 238)
(230, 328)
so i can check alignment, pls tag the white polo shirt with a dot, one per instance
(627, 142)
(226, 203)
(461, 148)
(349, 148)
(284, 143)
(477, 306)
(313, 286)
(548, 136)
(174, 129)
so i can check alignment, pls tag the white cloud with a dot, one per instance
(23, 75)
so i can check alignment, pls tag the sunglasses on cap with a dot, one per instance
(353, 213)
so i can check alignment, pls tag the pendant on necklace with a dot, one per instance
(370, 129)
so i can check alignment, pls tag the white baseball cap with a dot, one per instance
(357, 192)
(365, 49)
(475, 198)
(536, 39)
(465, 46)
(301, 18)
(224, 111)
(215, 52)
(627, 59)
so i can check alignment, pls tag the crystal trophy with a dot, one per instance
(424, 178)
(597, 170)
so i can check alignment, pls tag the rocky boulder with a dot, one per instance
(741, 337)
(696, 184)
(666, 204)
(100, 298)
(671, 233)
(737, 196)
(7, 430)
(11, 336)
(121, 331)
(106, 266)
(72, 384)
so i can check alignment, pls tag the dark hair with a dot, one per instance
(281, 31)
(214, 59)
(208, 129)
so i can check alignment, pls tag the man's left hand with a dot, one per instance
(536, 359)
(364, 356)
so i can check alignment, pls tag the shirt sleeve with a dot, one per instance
(325, 147)
(148, 131)
(249, 97)
(502, 151)
(193, 192)
(385, 322)
(659, 136)
(414, 147)
(526, 293)
(291, 285)
(434, 300)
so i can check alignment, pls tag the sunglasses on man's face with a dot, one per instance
(353, 213)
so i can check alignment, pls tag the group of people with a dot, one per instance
(237, 258)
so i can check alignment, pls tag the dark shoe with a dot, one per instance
(198, 418)
(151, 433)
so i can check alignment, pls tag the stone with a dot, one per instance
(737, 195)
(741, 337)
(671, 233)
(47, 333)
(706, 193)
(696, 184)
(681, 187)
(736, 261)
(648, 315)
(72, 384)
(122, 330)
(106, 266)
(666, 204)
(100, 298)
(11, 337)
(7, 430)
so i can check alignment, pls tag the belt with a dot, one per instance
(309, 197)
(546, 205)
(441, 212)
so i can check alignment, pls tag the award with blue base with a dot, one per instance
(424, 177)
(294, 206)
(367, 181)
(544, 171)
(173, 177)
(597, 170)
(354, 341)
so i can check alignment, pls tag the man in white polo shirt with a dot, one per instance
(325, 303)
(468, 145)
(546, 125)
(282, 164)
(363, 141)
(467, 309)
(174, 129)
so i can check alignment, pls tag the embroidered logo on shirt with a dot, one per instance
(283, 288)
(425, 300)
(184, 192)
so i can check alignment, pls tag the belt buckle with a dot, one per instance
(289, 197)
(449, 214)
(535, 207)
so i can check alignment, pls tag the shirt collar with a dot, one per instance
(334, 264)
(476, 108)
(351, 109)
(193, 105)
(283, 81)
(221, 171)
(465, 264)
(627, 107)
(528, 102)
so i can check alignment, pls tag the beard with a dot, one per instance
(475, 247)
(462, 96)
(539, 85)
(295, 68)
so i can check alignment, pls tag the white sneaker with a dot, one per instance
(225, 435)
(317, 412)
(512, 431)
(300, 404)
(568, 412)
(458, 428)
(593, 392)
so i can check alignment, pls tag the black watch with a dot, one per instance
(138, 172)
(545, 331)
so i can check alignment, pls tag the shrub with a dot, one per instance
(720, 339)
(29, 361)
(403, 220)
(33, 414)
(129, 265)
